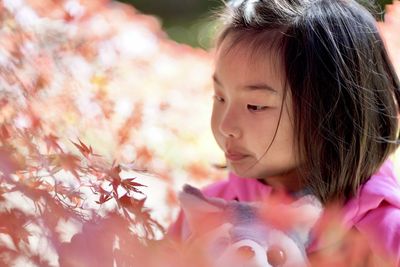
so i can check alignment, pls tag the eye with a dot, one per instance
(256, 108)
(276, 256)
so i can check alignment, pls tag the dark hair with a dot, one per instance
(344, 88)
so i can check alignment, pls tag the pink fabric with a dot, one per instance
(375, 211)
(244, 189)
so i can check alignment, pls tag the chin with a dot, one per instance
(244, 172)
(254, 173)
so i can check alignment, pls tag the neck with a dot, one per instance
(289, 182)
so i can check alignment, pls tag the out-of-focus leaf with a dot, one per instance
(8, 163)
(129, 185)
(86, 151)
(52, 143)
(4, 133)
(134, 121)
(13, 223)
(104, 196)
(67, 162)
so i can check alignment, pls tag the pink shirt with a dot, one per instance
(375, 211)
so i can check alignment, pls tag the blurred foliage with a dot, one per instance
(185, 21)
(93, 112)
(190, 21)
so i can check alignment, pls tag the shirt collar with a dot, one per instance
(247, 189)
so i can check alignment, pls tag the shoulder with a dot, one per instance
(382, 189)
(375, 211)
(381, 227)
(378, 211)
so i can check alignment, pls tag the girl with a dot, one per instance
(306, 101)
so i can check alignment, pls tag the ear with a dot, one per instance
(198, 207)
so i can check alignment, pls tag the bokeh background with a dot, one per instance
(188, 21)
(185, 21)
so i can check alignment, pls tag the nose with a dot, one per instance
(229, 124)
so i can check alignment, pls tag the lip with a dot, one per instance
(235, 156)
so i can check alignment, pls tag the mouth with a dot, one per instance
(235, 156)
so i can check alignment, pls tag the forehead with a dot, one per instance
(248, 59)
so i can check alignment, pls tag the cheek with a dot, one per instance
(286, 132)
(281, 150)
(215, 120)
(263, 132)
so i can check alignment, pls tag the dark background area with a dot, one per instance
(189, 21)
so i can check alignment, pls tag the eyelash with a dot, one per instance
(257, 108)
(252, 108)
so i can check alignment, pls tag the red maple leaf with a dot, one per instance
(84, 149)
(134, 121)
(144, 156)
(13, 224)
(134, 206)
(142, 215)
(67, 162)
(8, 162)
(129, 185)
(2, 192)
(198, 171)
(74, 196)
(104, 195)
(115, 178)
(4, 132)
(52, 143)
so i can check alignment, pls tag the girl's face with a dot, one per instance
(248, 111)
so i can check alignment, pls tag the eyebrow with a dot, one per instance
(252, 87)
